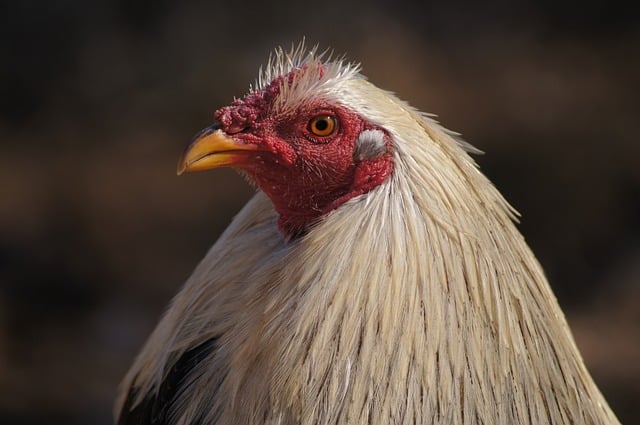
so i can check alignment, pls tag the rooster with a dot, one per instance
(376, 277)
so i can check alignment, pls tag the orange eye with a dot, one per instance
(323, 125)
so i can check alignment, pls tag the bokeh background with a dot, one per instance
(97, 100)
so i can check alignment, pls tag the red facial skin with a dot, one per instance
(305, 175)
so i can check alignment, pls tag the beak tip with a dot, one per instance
(182, 166)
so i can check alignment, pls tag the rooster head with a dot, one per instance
(298, 139)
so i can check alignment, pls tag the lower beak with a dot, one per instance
(212, 148)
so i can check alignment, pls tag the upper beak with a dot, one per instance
(212, 148)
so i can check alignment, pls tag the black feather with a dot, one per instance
(155, 407)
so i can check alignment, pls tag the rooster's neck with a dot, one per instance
(302, 205)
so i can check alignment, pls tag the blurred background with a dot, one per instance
(97, 100)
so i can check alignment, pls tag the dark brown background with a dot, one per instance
(97, 99)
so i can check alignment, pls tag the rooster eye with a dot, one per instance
(322, 125)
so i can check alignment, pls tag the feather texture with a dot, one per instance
(418, 302)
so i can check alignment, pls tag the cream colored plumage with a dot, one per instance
(418, 302)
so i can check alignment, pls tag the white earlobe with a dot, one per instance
(370, 144)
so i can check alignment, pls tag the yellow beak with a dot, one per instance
(212, 148)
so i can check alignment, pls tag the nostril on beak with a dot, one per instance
(206, 131)
(235, 129)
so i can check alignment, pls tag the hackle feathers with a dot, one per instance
(418, 302)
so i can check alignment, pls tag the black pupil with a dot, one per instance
(322, 124)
